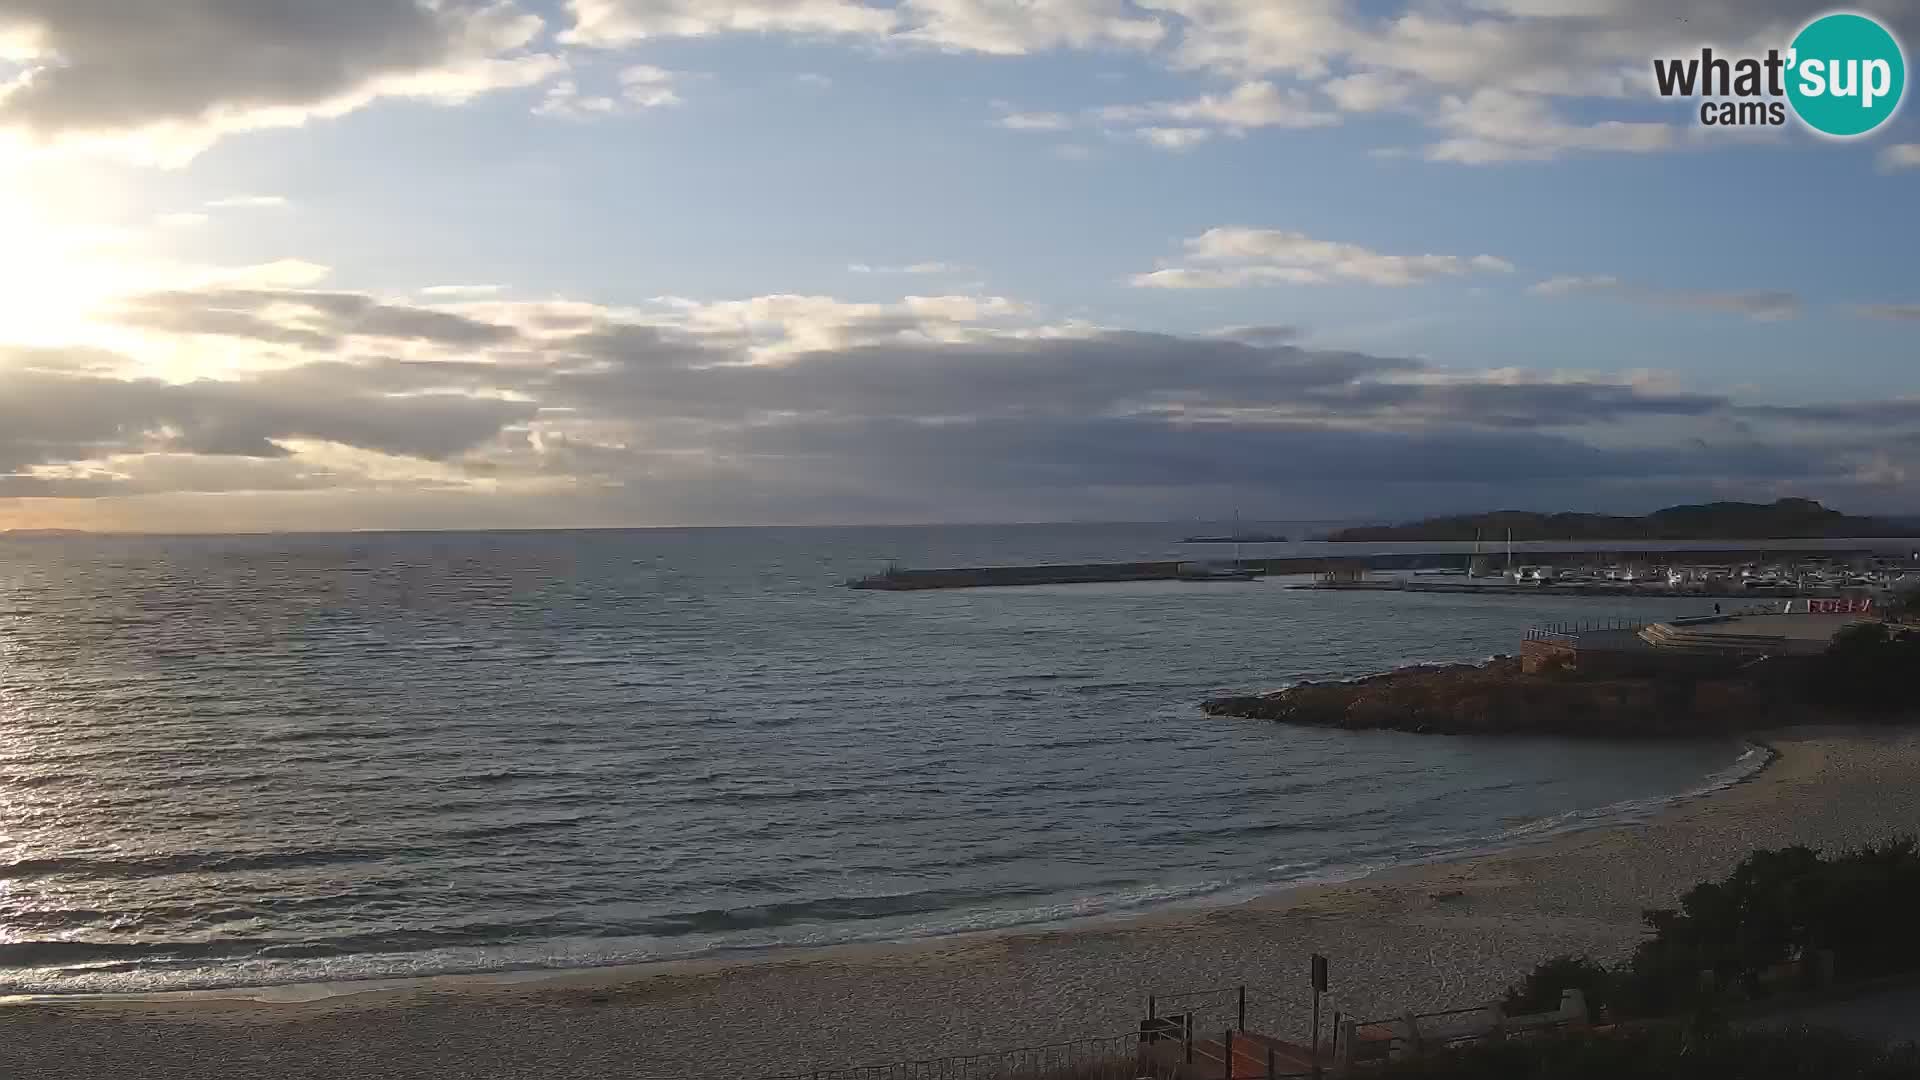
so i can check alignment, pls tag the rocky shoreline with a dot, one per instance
(1498, 698)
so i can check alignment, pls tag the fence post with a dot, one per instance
(1186, 1036)
(1150, 1006)
(1270, 1070)
(1343, 1039)
(1243, 1006)
(1226, 1051)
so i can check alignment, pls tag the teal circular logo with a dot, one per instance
(1845, 73)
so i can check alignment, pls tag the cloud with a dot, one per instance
(612, 23)
(639, 86)
(1500, 125)
(1900, 156)
(1175, 138)
(52, 417)
(381, 411)
(1238, 256)
(463, 290)
(1367, 91)
(96, 74)
(1895, 312)
(1019, 27)
(1036, 121)
(910, 268)
(1490, 77)
(248, 202)
(809, 408)
(1248, 105)
(180, 220)
(995, 27)
(564, 100)
(1763, 304)
(303, 319)
(648, 86)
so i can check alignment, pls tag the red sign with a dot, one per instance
(1859, 606)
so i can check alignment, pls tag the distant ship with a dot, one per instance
(1246, 538)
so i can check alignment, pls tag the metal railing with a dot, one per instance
(1207, 1032)
(1112, 1057)
(1388, 1034)
(1573, 630)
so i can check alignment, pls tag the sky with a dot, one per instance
(286, 265)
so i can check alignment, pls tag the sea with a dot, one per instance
(252, 761)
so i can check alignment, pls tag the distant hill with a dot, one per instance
(1787, 519)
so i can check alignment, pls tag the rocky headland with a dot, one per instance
(1498, 698)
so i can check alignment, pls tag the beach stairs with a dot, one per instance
(1231, 1054)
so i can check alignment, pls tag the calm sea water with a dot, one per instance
(247, 760)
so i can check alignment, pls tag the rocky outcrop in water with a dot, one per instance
(1497, 698)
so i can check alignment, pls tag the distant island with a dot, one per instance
(1785, 519)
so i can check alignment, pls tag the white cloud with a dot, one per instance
(564, 100)
(995, 27)
(648, 86)
(1500, 125)
(1367, 91)
(813, 78)
(1175, 138)
(641, 86)
(1248, 37)
(611, 23)
(1231, 257)
(910, 268)
(1765, 305)
(247, 202)
(1248, 105)
(94, 77)
(463, 290)
(1018, 27)
(1901, 156)
(180, 220)
(1036, 121)
(1896, 312)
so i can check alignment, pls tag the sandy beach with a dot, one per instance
(1432, 936)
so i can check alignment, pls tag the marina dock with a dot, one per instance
(1347, 571)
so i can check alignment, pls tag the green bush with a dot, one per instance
(1542, 989)
(1667, 1054)
(1776, 910)
(1868, 666)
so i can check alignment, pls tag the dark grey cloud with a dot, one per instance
(913, 416)
(1515, 404)
(651, 370)
(1861, 415)
(311, 320)
(1894, 312)
(124, 64)
(57, 417)
(1765, 304)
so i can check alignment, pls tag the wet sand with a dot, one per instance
(1435, 936)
